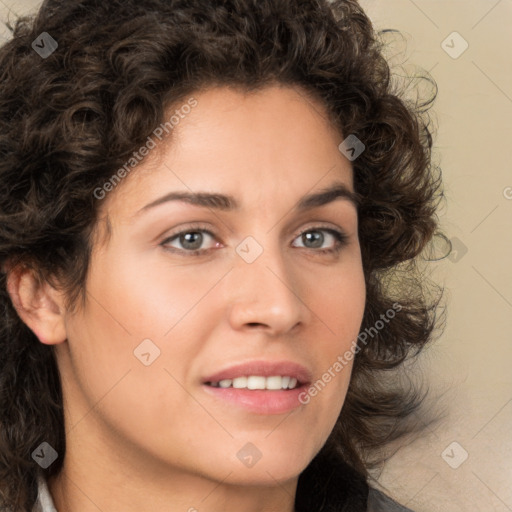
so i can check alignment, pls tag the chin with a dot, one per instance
(264, 466)
(274, 466)
(266, 474)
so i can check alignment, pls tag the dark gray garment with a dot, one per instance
(380, 502)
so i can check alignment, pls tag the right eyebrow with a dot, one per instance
(204, 199)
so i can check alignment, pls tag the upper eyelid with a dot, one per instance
(203, 227)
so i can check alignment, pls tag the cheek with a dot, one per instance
(339, 305)
(128, 304)
(146, 299)
(338, 300)
(107, 380)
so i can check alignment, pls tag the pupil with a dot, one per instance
(316, 236)
(188, 242)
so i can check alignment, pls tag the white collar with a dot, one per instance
(44, 502)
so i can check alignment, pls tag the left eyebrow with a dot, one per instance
(335, 191)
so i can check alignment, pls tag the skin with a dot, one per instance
(143, 438)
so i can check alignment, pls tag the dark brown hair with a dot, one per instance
(69, 120)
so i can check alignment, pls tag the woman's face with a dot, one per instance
(251, 281)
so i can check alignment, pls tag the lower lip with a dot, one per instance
(260, 401)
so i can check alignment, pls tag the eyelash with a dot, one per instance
(340, 237)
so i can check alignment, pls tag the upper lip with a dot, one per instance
(264, 369)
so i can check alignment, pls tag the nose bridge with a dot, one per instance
(267, 290)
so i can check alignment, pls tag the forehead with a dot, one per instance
(277, 141)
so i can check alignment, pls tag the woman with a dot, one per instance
(204, 207)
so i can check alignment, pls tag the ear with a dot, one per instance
(38, 304)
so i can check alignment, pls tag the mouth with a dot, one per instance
(261, 387)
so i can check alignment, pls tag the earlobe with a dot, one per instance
(38, 304)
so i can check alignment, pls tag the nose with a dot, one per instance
(267, 295)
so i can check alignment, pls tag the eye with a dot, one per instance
(315, 238)
(191, 241)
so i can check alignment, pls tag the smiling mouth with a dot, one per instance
(258, 382)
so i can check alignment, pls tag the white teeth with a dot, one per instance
(240, 382)
(256, 382)
(275, 382)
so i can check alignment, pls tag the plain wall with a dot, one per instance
(471, 360)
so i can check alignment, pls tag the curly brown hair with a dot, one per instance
(69, 120)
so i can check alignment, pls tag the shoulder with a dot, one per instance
(380, 502)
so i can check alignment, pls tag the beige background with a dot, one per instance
(473, 146)
(473, 113)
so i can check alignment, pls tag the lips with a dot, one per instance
(263, 369)
(254, 400)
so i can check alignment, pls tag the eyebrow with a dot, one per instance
(337, 190)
